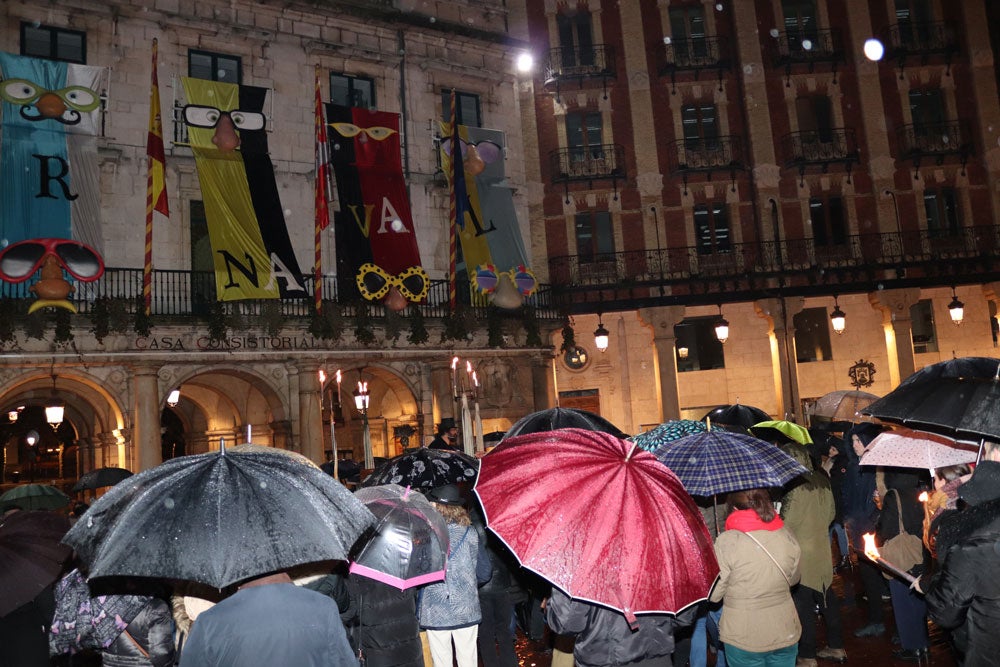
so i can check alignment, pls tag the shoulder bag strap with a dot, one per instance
(773, 560)
(144, 652)
(899, 510)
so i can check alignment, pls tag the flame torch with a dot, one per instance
(871, 551)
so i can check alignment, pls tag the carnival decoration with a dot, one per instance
(20, 261)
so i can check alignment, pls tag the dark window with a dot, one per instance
(595, 238)
(697, 347)
(923, 331)
(352, 91)
(812, 335)
(829, 224)
(466, 108)
(41, 41)
(700, 124)
(913, 18)
(215, 66)
(687, 30)
(800, 22)
(942, 213)
(202, 263)
(711, 228)
(815, 114)
(927, 111)
(576, 39)
(583, 135)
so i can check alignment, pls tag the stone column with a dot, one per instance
(895, 306)
(779, 313)
(542, 381)
(442, 398)
(310, 412)
(662, 319)
(146, 417)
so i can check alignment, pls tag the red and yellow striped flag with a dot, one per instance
(321, 194)
(156, 184)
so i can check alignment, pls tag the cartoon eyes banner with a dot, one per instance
(36, 103)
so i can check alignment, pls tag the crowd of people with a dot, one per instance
(777, 551)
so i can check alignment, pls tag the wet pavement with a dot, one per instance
(866, 651)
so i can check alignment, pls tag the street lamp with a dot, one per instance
(55, 411)
(956, 308)
(722, 328)
(838, 318)
(601, 335)
(361, 401)
(173, 398)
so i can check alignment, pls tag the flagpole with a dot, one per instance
(155, 176)
(453, 218)
(322, 218)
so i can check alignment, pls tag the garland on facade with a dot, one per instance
(364, 331)
(532, 330)
(418, 328)
(494, 327)
(568, 337)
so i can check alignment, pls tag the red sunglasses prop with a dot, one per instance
(19, 261)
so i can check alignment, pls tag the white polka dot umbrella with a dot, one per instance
(904, 448)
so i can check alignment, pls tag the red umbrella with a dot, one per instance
(599, 518)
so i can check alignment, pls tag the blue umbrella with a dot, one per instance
(667, 432)
(721, 461)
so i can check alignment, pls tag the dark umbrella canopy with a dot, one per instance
(718, 462)
(736, 415)
(31, 556)
(96, 479)
(958, 397)
(408, 544)
(219, 518)
(556, 418)
(425, 469)
(34, 497)
(600, 519)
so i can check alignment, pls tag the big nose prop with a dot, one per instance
(225, 136)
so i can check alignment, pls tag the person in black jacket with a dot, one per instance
(384, 626)
(148, 640)
(964, 594)
(496, 634)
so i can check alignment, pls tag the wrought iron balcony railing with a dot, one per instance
(808, 47)
(580, 62)
(706, 154)
(696, 54)
(934, 140)
(820, 147)
(587, 163)
(191, 293)
(922, 39)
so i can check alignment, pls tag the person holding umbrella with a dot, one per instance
(759, 563)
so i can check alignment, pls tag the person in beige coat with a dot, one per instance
(758, 564)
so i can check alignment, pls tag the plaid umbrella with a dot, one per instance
(667, 432)
(720, 461)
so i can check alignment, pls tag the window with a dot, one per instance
(215, 66)
(923, 331)
(927, 111)
(687, 31)
(700, 125)
(697, 336)
(829, 225)
(942, 213)
(583, 135)
(41, 41)
(812, 335)
(800, 22)
(815, 114)
(913, 18)
(466, 108)
(576, 39)
(202, 262)
(354, 91)
(711, 228)
(595, 239)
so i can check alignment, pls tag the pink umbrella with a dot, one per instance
(903, 448)
(599, 518)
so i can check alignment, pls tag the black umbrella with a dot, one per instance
(96, 479)
(959, 398)
(424, 469)
(736, 415)
(31, 556)
(219, 518)
(553, 419)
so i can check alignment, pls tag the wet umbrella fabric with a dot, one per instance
(31, 556)
(408, 544)
(958, 398)
(736, 415)
(219, 518)
(718, 462)
(592, 514)
(556, 418)
(668, 432)
(904, 448)
(34, 497)
(83, 620)
(96, 479)
(783, 429)
(425, 469)
(842, 405)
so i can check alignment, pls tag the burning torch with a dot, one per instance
(871, 551)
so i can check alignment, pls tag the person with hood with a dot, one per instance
(758, 564)
(903, 487)
(964, 594)
(860, 514)
(807, 509)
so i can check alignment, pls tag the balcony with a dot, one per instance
(809, 48)
(588, 164)
(935, 141)
(695, 55)
(792, 267)
(820, 149)
(580, 64)
(922, 41)
(706, 155)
